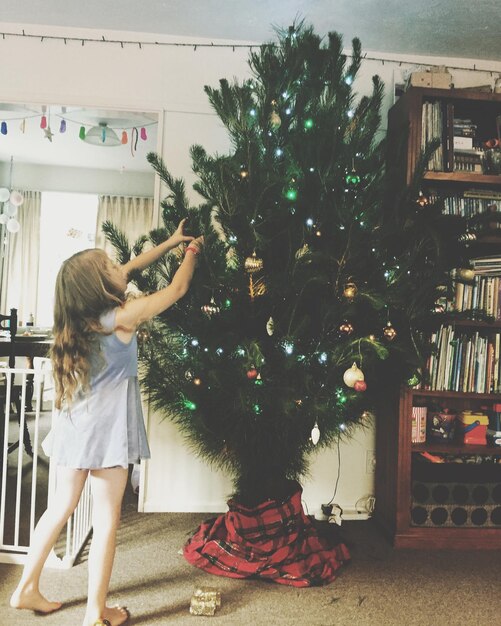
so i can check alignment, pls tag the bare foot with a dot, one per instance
(114, 615)
(34, 601)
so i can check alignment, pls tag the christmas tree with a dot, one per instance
(315, 276)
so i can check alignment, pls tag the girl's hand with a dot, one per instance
(178, 236)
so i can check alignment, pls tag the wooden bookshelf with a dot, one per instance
(397, 457)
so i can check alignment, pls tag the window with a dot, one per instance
(67, 225)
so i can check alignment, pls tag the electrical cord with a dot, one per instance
(338, 471)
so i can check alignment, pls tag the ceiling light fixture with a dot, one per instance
(102, 135)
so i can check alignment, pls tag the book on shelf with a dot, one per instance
(487, 265)
(483, 294)
(472, 202)
(463, 362)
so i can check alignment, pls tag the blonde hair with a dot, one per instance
(87, 285)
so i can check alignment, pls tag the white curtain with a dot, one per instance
(133, 216)
(20, 267)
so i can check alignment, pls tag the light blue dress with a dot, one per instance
(103, 427)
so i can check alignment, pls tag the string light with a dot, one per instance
(233, 46)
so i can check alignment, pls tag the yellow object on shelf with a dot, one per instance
(474, 427)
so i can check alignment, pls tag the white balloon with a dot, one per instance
(16, 198)
(13, 225)
(3, 218)
(4, 194)
(10, 210)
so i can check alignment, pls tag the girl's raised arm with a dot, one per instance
(139, 310)
(150, 256)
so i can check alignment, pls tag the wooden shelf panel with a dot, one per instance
(420, 537)
(455, 448)
(464, 177)
(495, 397)
(473, 323)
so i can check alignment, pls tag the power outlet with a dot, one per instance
(370, 461)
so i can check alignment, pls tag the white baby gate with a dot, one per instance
(27, 478)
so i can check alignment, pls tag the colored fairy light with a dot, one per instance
(291, 194)
(309, 222)
(253, 112)
(279, 152)
(43, 122)
(125, 138)
(3, 128)
(322, 358)
(308, 123)
(194, 342)
(348, 80)
(350, 113)
(143, 135)
(81, 134)
(62, 126)
(219, 351)
(190, 405)
(257, 409)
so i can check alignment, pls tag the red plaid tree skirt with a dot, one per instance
(274, 541)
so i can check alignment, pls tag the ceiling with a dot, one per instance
(454, 28)
(450, 28)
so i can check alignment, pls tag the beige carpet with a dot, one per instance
(381, 586)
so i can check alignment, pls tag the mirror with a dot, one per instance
(75, 167)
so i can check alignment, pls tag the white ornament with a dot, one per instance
(270, 326)
(352, 375)
(13, 225)
(315, 434)
(4, 194)
(16, 198)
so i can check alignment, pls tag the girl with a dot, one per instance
(100, 428)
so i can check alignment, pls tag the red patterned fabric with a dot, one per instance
(274, 541)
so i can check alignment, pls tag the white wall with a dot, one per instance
(170, 80)
(39, 177)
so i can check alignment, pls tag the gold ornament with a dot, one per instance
(422, 200)
(253, 264)
(350, 290)
(244, 173)
(256, 287)
(211, 308)
(389, 332)
(302, 251)
(205, 601)
(465, 273)
(275, 120)
(346, 328)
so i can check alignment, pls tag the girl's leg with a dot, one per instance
(69, 485)
(108, 486)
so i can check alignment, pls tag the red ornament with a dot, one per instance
(252, 373)
(360, 385)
